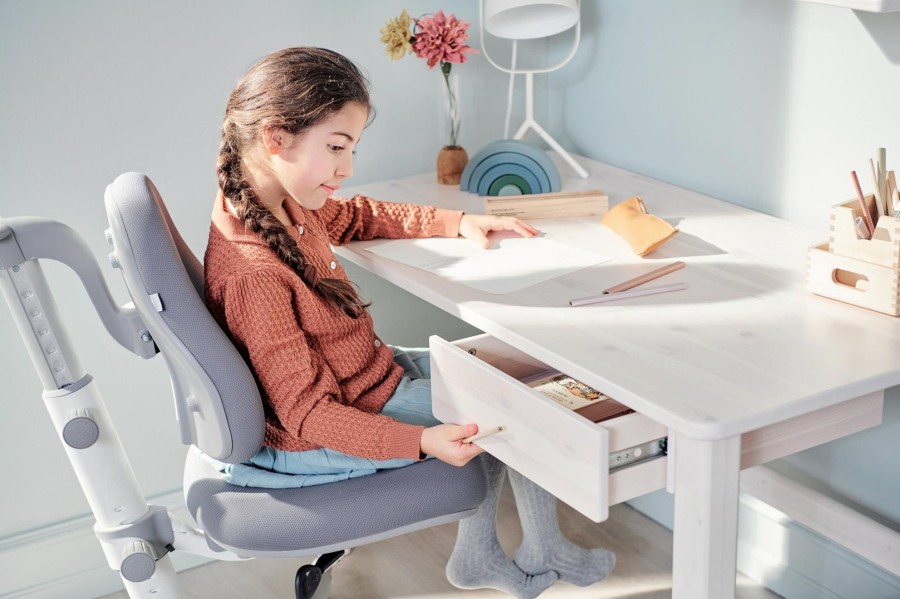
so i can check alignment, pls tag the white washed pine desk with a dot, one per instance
(742, 367)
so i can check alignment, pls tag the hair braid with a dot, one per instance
(262, 222)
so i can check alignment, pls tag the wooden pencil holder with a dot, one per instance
(862, 272)
(883, 248)
(853, 281)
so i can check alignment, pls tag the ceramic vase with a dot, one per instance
(451, 161)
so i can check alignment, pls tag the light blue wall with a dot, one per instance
(94, 88)
(765, 103)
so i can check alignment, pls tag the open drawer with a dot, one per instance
(567, 454)
(557, 448)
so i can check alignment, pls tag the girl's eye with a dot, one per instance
(335, 148)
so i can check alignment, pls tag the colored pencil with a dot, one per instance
(644, 278)
(620, 295)
(870, 226)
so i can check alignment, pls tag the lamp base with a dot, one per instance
(531, 124)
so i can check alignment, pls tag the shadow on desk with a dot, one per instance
(685, 245)
(708, 283)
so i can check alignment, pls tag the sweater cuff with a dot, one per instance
(446, 223)
(404, 441)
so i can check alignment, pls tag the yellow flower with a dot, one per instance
(395, 36)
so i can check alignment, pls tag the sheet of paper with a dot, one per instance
(512, 262)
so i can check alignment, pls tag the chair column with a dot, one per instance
(133, 534)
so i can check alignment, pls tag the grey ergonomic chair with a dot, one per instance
(219, 411)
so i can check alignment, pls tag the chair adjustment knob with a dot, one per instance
(114, 260)
(139, 562)
(81, 430)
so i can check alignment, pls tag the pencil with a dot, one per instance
(653, 274)
(482, 434)
(892, 190)
(870, 226)
(880, 200)
(611, 297)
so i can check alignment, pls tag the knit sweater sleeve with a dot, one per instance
(362, 217)
(301, 389)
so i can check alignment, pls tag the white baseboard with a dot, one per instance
(798, 563)
(64, 560)
(788, 558)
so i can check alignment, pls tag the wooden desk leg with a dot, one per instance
(707, 482)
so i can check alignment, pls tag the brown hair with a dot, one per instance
(292, 89)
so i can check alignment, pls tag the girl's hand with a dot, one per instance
(444, 442)
(477, 226)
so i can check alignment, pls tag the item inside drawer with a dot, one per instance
(575, 395)
(568, 392)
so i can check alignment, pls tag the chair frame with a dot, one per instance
(137, 538)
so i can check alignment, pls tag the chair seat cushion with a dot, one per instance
(255, 522)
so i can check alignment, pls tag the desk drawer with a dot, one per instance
(560, 450)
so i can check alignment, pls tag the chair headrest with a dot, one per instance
(217, 400)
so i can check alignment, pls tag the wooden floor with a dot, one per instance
(412, 566)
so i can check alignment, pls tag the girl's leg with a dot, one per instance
(543, 545)
(416, 362)
(411, 403)
(478, 560)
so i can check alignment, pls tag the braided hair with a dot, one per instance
(292, 89)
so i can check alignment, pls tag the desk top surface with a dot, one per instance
(744, 346)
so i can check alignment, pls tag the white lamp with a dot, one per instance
(532, 19)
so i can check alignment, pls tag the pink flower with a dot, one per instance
(441, 39)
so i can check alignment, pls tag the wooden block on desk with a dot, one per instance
(549, 205)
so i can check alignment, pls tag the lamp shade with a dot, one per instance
(529, 19)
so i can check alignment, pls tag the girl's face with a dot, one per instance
(311, 165)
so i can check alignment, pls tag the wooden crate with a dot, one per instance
(853, 280)
(882, 249)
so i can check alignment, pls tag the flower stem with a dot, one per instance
(452, 104)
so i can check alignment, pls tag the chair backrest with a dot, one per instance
(217, 401)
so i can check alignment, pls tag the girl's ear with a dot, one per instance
(274, 139)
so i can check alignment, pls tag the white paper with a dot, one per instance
(512, 262)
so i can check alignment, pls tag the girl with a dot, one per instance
(339, 403)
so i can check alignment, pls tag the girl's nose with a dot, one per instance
(345, 166)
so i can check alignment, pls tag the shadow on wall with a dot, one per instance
(883, 28)
(693, 93)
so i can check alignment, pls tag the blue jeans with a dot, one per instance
(278, 469)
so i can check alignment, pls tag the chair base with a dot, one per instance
(313, 581)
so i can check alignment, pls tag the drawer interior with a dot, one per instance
(503, 357)
(631, 430)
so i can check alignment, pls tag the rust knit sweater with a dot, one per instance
(324, 376)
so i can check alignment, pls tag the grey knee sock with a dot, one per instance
(543, 545)
(478, 560)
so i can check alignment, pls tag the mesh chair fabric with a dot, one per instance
(168, 267)
(313, 519)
